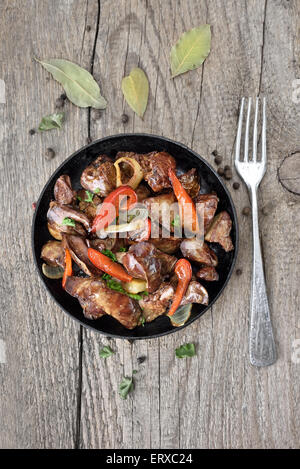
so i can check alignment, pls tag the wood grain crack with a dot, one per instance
(263, 47)
(93, 61)
(80, 345)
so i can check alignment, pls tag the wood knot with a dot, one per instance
(289, 173)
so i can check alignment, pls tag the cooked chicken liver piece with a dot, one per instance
(57, 212)
(63, 192)
(206, 206)
(219, 231)
(190, 182)
(96, 299)
(158, 303)
(208, 273)
(159, 206)
(99, 176)
(89, 208)
(199, 252)
(79, 252)
(144, 261)
(53, 253)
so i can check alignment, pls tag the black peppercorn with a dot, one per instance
(227, 168)
(214, 153)
(236, 185)
(220, 171)
(238, 271)
(141, 359)
(246, 211)
(88, 28)
(31, 131)
(124, 118)
(218, 159)
(63, 96)
(59, 103)
(49, 154)
(227, 174)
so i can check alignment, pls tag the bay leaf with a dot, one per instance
(53, 121)
(191, 50)
(79, 85)
(135, 88)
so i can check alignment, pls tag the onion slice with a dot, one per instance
(51, 271)
(181, 315)
(138, 222)
(137, 172)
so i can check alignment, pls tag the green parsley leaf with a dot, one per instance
(126, 387)
(143, 320)
(115, 285)
(109, 254)
(53, 121)
(186, 350)
(96, 191)
(106, 276)
(122, 249)
(68, 221)
(176, 221)
(89, 196)
(79, 198)
(106, 352)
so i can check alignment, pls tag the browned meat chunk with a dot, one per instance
(99, 176)
(208, 273)
(195, 293)
(157, 177)
(168, 245)
(87, 207)
(97, 299)
(198, 252)
(219, 231)
(63, 192)
(190, 182)
(142, 192)
(57, 213)
(206, 206)
(160, 210)
(144, 261)
(79, 252)
(112, 244)
(155, 166)
(158, 303)
(53, 253)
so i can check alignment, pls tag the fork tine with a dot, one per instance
(239, 132)
(247, 130)
(264, 134)
(255, 131)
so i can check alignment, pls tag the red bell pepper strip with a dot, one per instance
(183, 199)
(110, 207)
(68, 267)
(183, 270)
(108, 265)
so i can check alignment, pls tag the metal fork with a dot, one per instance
(262, 346)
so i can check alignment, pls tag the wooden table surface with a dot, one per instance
(55, 390)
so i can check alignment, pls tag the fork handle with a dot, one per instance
(262, 345)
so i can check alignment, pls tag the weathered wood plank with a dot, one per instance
(38, 405)
(216, 399)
